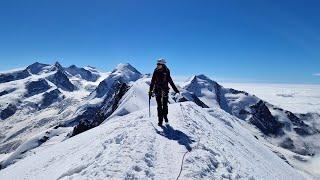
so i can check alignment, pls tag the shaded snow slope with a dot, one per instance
(131, 146)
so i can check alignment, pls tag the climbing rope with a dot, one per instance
(184, 155)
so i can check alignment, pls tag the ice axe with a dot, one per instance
(149, 106)
(150, 94)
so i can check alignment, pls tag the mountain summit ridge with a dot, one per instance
(67, 108)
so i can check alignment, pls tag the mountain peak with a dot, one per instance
(200, 78)
(73, 66)
(73, 70)
(37, 64)
(125, 67)
(36, 67)
(58, 65)
(124, 73)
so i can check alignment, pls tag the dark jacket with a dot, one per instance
(160, 80)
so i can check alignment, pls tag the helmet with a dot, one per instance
(161, 61)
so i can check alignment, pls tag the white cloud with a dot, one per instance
(316, 74)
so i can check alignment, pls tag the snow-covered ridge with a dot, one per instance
(137, 149)
(74, 100)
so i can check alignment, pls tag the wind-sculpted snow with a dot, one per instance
(132, 147)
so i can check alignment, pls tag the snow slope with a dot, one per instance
(132, 147)
(55, 129)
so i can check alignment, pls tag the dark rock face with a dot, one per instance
(61, 81)
(294, 119)
(85, 74)
(199, 102)
(313, 118)
(8, 111)
(14, 76)
(111, 104)
(36, 67)
(234, 91)
(299, 126)
(91, 118)
(263, 120)
(102, 89)
(36, 87)
(94, 116)
(2, 93)
(57, 67)
(49, 98)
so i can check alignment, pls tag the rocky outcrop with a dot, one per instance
(13, 76)
(61, 80)
(37, 87)
(8, 111)
(83, 73)
(5, 92)
(299, 126)
(94, 116)
(264, 121)
(49, 98)
(36, 67)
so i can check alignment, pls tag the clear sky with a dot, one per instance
(274, 41)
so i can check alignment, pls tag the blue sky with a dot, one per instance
(275, 41)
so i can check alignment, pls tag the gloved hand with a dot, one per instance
(150, 94)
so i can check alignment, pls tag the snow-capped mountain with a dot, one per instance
(289, 130)
(97, 122)
(36, 103)
(103, 101)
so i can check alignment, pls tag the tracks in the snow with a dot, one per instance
(184, 155)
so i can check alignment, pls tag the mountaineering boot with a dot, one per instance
(165, 118)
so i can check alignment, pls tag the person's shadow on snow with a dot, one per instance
(176, 135)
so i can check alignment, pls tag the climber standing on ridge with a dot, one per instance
(159, 86)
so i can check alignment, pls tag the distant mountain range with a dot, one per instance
(45, 106)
